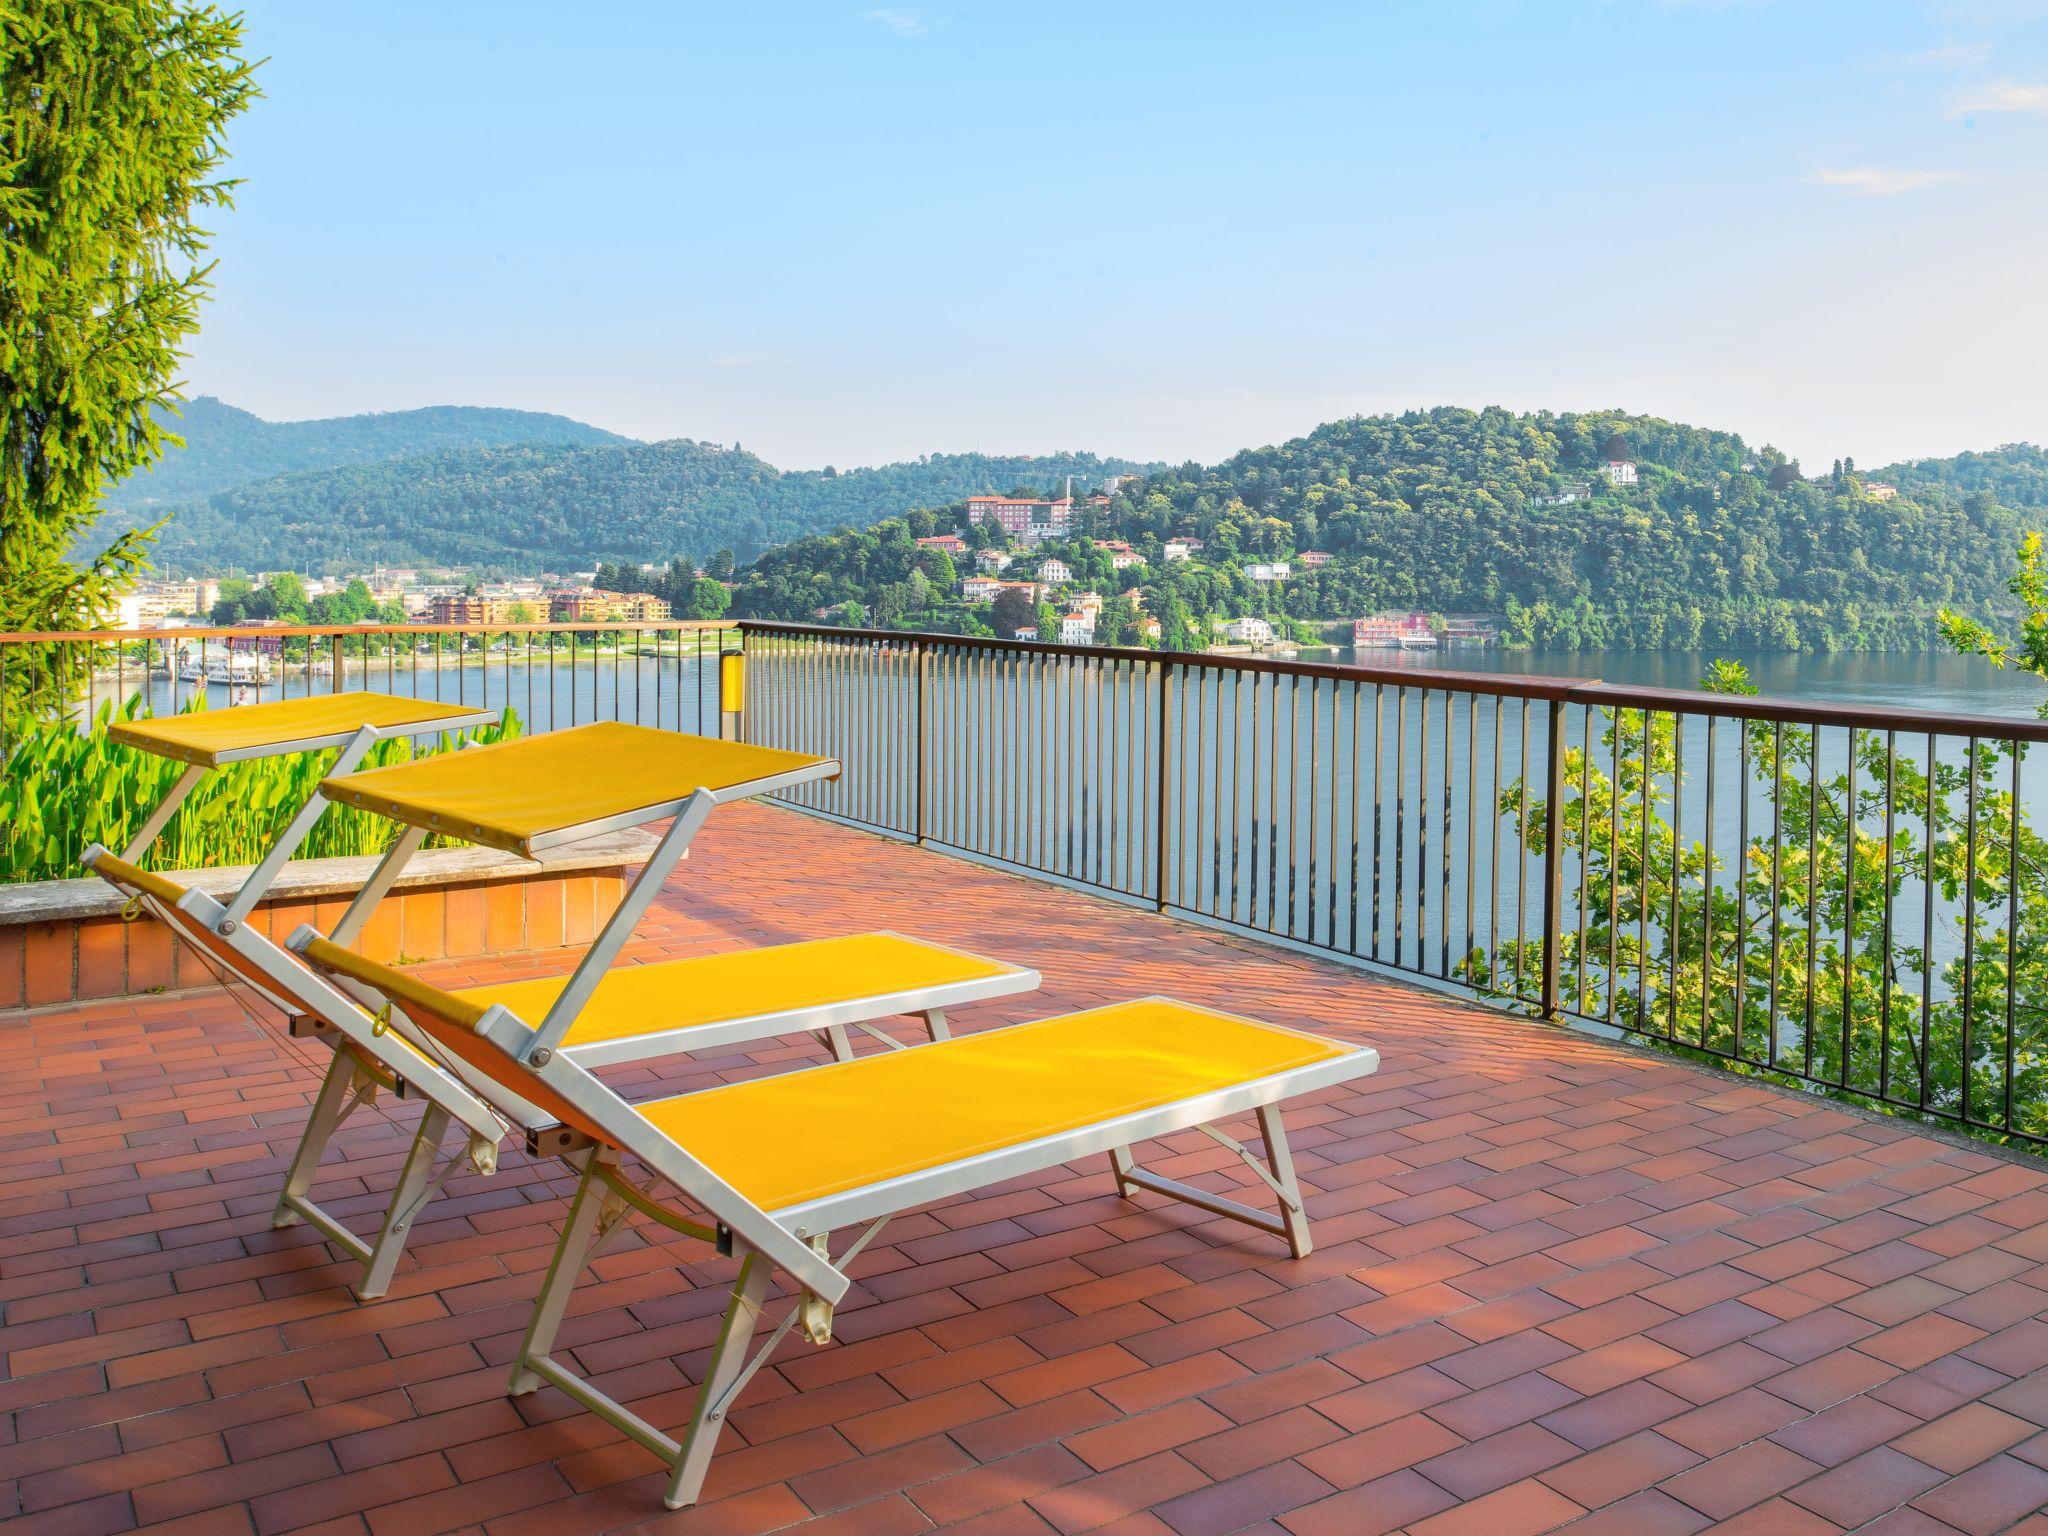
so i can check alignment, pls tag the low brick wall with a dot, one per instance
(65, 940)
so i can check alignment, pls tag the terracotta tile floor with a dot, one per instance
(1557, 1285)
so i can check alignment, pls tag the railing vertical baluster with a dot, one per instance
(1471, 825)
(1812, 888)
(1161, 826)
(1777, 877)
(1932, 821)
(1675, 934)
(1293, 780)
(1707, 894)
(1884, 969)
(921, 658)
(1522, 862)
(2012, 928)
(1443, 905)
(1741, 882)
(1337, 762)
(1400, 902)
(1849, 912)
(1643, 904)
(1585, 849)
(1969, 1055)
(1236, 775)
(1553, 853)
(1421, 828)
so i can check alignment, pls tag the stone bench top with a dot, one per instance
(59, 901)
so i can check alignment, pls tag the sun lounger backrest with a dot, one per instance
(171, 899)
(450, 1022)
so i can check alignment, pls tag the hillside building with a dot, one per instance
(1023, 518)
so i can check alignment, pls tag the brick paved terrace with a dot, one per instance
(1558, 1285)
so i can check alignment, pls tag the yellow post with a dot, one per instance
(732, 693)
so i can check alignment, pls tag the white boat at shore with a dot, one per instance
(220, 663)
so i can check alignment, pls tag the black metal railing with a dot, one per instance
(1847, 896)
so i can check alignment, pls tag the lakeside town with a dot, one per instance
(996, 571)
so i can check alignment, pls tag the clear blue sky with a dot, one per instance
(847, 233)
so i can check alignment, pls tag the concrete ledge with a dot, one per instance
(65, 940)
(53, 901)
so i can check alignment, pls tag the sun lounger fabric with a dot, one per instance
(708, 989)
(201, 736)
(781, 1141)
(507, 795)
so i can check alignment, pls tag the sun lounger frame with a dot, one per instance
(795, 1238)
(355, 1020)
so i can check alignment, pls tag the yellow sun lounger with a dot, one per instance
(773, 1166)
(207, 739)
(638, 1013)
(633, 1013)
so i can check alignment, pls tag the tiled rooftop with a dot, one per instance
(1557, 1284)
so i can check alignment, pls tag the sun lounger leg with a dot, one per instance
(1280, 1160)
(580, 1234)
(728, 1359)
(1121, 1165)
(416, 1183)
(935, 1024)
(833, 1038)
(1277, 1172)
(328, 1107)
(160, 818)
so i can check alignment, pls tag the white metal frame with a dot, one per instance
(795, 1238)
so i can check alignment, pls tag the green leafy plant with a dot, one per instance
(66, 788)
(1831, 941)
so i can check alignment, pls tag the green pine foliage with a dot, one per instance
(112, 122)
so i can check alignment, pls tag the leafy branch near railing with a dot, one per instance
(67, 788)
(2029, 584)
(1813, 955)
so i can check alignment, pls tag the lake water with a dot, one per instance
(680, 688)
(1937, 680)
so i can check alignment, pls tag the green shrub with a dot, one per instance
(66, 789)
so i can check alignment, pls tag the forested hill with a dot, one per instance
(551, 508)
(2014, 476)
(1718, 542)
(226, 447)
(1715, 543)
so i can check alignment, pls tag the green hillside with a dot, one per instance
(226, 447)
(2014, 476)
(1450, 510)
(534, 508)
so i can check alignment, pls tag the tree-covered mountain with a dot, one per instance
(553, 508)
(1714, 543)
(226, 447)
(2013, 476)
